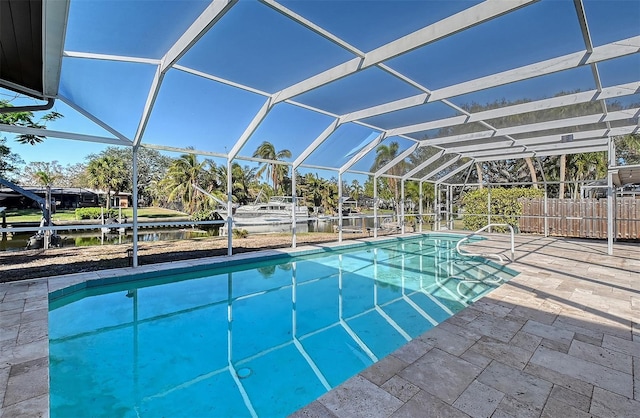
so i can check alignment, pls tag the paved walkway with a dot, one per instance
(562, 339)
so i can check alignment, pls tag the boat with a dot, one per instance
(110, 226)
(278, 210)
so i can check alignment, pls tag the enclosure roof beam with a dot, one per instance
(110, 57)
(220, 80)
(512, 156)
(253, 125)
(504, 152)
(62, 135)
(94, 119)
(318, 167)
(312, 26)
(570, 145)
(458, 22)
(569, 151)
(442, 167)
(520, 129)
(601, 53)
(577, 136)
(404, 154)
(212, 14)
(454, 172)
(545, 152)
(55, 15)
(424, 164)
(317, 142)
(492, 143)
(364, 151)
(554, 102)
(183, 150)
(500, 144)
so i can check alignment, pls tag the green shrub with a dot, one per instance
(94, 213)
(206, 215)
(505, 207)
(240, 233)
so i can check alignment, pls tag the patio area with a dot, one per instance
(560, 339)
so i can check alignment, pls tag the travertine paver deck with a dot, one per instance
(561, 339)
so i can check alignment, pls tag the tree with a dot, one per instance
(45, 178)
(9, 161)
(319, 192)
(185, 172)
(152, 168)
(384, 155)
(108, 174)
(356, 190)
(628, 149)
(40, 172)
(590, 165)
(26, 119)
(245, 186)
(275, 172)
(74, 175)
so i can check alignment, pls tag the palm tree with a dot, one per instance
(183, 173)
(590, 165)
(385, 154)
(628, 149)
(109, 174)
(26, 119)
(273, 171)
(355, 191)
(44, 178)
(244, 182)
(319, 192)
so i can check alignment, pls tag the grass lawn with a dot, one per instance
(34, 215)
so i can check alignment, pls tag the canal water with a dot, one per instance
(18, 241)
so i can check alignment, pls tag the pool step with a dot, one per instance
(468, 279)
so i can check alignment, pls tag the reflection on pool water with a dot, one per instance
(259, 339)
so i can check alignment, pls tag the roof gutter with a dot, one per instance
(30, 108)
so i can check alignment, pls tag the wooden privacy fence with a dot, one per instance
(581, 218)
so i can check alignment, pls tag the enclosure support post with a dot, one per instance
(449, 207)
(4, 223)
(294, 205)
(489, 205)
(375, 207)
(419, 221)
(47, 218)
(546, 211)
(436, 206)
(134, 197)
(229, 208)
(610, 213)
(610, 197)
(339, 207)
(402, 207)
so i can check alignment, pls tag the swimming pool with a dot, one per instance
(258, 339)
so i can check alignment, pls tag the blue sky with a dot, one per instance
(256, 46)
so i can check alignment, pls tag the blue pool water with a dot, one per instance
(259, 339)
